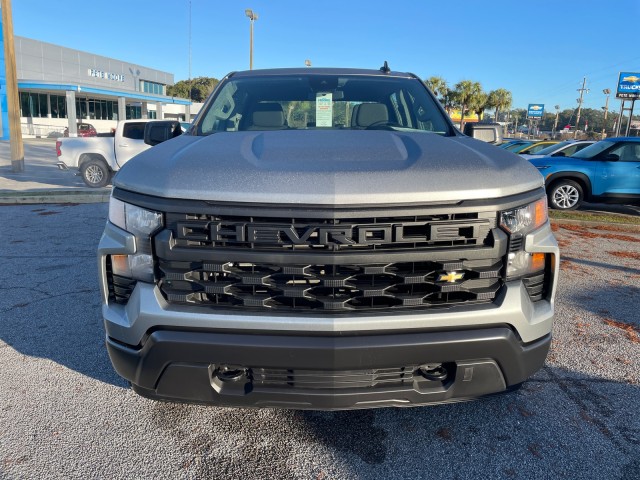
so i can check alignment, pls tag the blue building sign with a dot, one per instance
(4, 116)
(535, 110)
(628, 85)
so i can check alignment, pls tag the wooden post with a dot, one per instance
(13, 106)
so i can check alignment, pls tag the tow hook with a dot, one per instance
(435, 372)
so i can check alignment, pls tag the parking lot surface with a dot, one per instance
(64, 413)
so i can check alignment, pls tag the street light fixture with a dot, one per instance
(252, 17)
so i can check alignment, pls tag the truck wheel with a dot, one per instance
(565, 195)
(95, 173)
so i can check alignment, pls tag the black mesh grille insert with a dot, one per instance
(317, 379)
(330, 288)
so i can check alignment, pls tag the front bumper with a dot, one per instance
(174, 351)
(326, 372)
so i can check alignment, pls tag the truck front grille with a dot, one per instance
(331, 287)
(303, 259)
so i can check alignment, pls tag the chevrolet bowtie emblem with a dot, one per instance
(450, 277)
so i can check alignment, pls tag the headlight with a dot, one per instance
(525, 219)
(518, 222)
(141, 223)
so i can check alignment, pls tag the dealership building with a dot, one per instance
(59, 87)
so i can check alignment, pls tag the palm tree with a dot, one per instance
(500, 99)
(479, 103)
(465, 92)
(438, 86)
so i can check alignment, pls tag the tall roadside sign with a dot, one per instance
(11, 88)
(534, 112)
(628, 90)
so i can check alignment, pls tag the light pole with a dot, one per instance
(606, 91)
(253, 16)
(555, 124)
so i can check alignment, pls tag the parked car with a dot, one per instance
(517, 145)
(84, 130)
(535, 147)
(562, 149)
(607, 171)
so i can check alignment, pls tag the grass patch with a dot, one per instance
(594, 217)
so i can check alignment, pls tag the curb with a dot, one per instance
(54, 196)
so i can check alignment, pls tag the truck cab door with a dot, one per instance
(618, 170)
(130, 142)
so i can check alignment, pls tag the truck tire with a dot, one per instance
(565, 194)
(95, 173)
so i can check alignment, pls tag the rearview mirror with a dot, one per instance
(161, 131)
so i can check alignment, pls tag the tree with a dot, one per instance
(500, 99)
(466, 93)
(479, 103)
(196, 89)
(438, 86)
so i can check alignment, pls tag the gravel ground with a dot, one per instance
(64, 413)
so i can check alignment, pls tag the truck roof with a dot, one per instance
(320, 71)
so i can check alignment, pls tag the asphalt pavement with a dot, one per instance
(65, 413)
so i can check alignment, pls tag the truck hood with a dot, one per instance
(333, 167)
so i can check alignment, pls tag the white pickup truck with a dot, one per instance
(98, 158)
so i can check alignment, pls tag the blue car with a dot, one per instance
(607, 171)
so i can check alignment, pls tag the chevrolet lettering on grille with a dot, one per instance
(328, 235)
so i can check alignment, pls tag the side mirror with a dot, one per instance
(161, 131)
(487, 132)
(611, 157)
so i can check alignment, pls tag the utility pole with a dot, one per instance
(13, 106)
(581, 90)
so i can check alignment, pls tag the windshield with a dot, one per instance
(553, 148)
(518, 146)
(315, 101)
(593, 150)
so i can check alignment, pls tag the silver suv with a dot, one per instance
(326, 239)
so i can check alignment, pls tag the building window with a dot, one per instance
(133, 112)
(95, 109)
(33, 105)
(151, 87)
(58, 106)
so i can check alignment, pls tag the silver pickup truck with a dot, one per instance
(98, 158)
(326, 239)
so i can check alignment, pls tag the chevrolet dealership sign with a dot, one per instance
(535, 110)
(628, 85)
